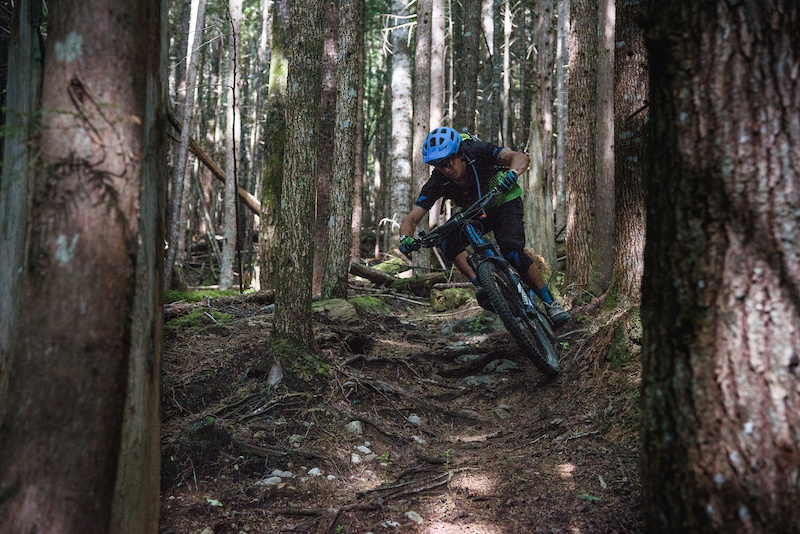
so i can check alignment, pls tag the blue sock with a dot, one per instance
(544, 294)
(475, 282)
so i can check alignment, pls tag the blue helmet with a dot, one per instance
(440, 144)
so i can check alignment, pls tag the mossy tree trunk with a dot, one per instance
(274, 144)
(296, 225)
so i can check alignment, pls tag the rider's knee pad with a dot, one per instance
(518, 259)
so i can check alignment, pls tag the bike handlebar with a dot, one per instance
(432, 239)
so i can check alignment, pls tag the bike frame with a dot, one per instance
(483, 249)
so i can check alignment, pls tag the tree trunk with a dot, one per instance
(562, 104)
(720, 302)
(582, 128)
(296, 225)
(177, 220)
(402, 137)
(422, 106)
(86, 348)
(22, 100)
(358, 190)
(469, 62)
(232, 141)
(540, 187)
(631, 151)
(337, 262)
(326, 150)
(274, 144)
(602, 246)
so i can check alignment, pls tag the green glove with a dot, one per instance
(407, 245)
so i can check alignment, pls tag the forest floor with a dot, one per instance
(427, 423)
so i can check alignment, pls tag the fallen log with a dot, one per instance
(416, 285)
(249, 200)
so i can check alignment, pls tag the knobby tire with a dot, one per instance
(528, 333)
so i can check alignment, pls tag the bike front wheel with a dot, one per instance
(526, 331)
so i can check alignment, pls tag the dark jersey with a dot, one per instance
(484, 158)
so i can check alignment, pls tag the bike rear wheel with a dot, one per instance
(529, 334)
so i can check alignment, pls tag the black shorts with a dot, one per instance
(509, 232)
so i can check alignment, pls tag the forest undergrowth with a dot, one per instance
(417, 422)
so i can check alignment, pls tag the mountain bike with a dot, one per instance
(507, 293)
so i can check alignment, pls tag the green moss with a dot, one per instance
(176, 295)
(626, 339)
(450, 299)
(392, 266)
(298, 365)
(199, 318)
(368, 305)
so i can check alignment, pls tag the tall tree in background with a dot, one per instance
(180, 193)
(296, 225)
(337, 262)
(422, 103)
(274, 144)
(232, 142)
(720, 297)
(358, 164)
(467, 69)
(581, 149)
(539, 186)
(562, 104)
(631, 149)
(438, 86)
(22, 100)
(86, 348)
(326, 150)
(602, 245)
(402, 137)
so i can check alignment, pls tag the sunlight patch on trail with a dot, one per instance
(472, 528)
(475, 483)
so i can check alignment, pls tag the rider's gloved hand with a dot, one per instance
(407, 245)
(507, 182)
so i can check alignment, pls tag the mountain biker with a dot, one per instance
(464, 169)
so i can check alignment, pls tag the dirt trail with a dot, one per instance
(459, 434)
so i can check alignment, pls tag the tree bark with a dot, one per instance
(296, 225)
(402, 136)
(602, 246)
(631, 150)
(326, 149)
(469, 61)
(581, 149)
(87, 344)
(274, 145)
(720, 302)
(22, 100)
(337, 261)
(539, 189)
(232, 141)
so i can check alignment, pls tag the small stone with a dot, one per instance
(370, 457)
(331, 477)
(354, 428)
(294, 438)
(364, 450)
(414, 419)
(414, 517)
(269, 481)
(501, 413)
(419, 440)
(356, 459)
(315, 472)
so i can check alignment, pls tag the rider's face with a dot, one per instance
(453, 168)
